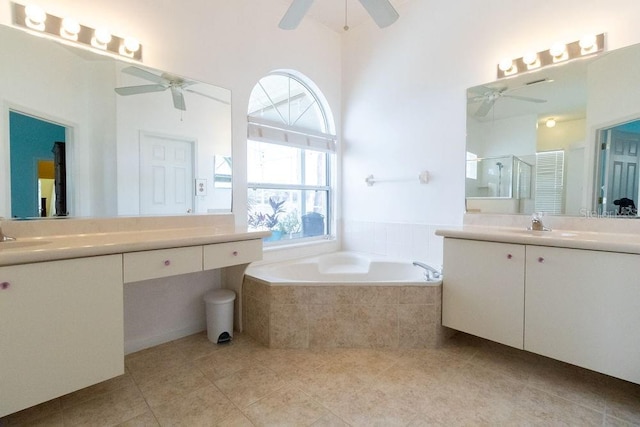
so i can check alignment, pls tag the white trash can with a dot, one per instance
(220, 315)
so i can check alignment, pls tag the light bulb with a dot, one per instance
(70, 29)
(101, 38)
(35, 17)
(587, 44)
(505, 65)
(131, 44)
(558, 50)
(550, 123)
(530, 58)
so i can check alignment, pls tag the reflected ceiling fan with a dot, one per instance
(488, 96)
(165, 81)
(381, 11)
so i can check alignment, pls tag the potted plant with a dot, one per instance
(290, 225)
(268, 221)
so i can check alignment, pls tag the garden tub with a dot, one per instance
(342, 299)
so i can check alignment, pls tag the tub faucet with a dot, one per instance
(5, 238)
(429, 272)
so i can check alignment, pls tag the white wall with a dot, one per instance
(404, 94)
(228, 43)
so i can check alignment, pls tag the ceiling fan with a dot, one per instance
(488, 96)
(381, 11)
(165, 81)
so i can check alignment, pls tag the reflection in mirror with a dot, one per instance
(149, 149)
(618, 177)
(584, 160)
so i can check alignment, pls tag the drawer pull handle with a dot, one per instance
(234, 253)
(509, 256)
(540, 259)
(167, 262)
(5, 285)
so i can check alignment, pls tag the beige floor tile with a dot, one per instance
(535, 406)
(288, 406)
(204, 407)
(330, 383)
(579, 385)
(196, 346)
(517, 364)
(623, 400)
(172, 383)
(249, 385)
(330, 420)
(96, 390)
(149, 362)
(51, 409)
(610, 421)
(143, 420)
(373, 407)
(111, 408)
(222, 364)
(289, 363)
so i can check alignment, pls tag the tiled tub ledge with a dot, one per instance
(343, 316)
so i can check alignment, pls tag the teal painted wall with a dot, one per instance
(30, 140)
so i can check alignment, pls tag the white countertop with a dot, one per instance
(590, 240)
(48, 248)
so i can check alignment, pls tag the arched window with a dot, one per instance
(290, 156)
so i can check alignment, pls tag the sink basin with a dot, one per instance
(21, 244)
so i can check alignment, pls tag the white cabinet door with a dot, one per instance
(61, 328)
(583, 307)
(483, 289)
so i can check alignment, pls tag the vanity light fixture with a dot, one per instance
(559, 52)
(550, 123)
(35, 18)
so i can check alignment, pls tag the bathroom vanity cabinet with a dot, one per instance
(61, 328)
(484, 292)
(61, 321)
(575, 305)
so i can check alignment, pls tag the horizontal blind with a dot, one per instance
(262, 131)
(550, 182)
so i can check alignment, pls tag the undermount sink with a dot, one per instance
(21, 244)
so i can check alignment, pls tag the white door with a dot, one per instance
(166, 175)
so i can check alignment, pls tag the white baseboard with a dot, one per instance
(133, 345)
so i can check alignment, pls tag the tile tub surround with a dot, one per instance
(343, 316)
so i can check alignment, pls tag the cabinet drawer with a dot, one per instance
(162, 263)
(232, 253)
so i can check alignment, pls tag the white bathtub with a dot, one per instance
(342, 268)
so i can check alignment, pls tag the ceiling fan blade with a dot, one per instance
(381, 11)
(484, 109)
(134, 90)
(178, 98)
(294, 14)
(524, 98)
(143, 74)
(208, 96)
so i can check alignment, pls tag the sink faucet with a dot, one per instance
(536, 223)
(5, 238)
(429, 272)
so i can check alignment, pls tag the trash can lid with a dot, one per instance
(219, 296)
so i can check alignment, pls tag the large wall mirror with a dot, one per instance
(563, 140)
(74, 146)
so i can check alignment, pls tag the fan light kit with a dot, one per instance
(559, 52)
(35, 18)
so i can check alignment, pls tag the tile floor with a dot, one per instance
(469, 381)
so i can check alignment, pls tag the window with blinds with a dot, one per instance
(550, 182)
